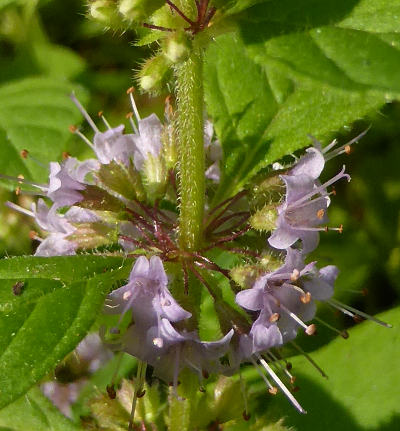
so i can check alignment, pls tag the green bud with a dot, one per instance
(139, 10)
(126, 182)
(154, 174)
(264, 219)
(93, 235)
(105, 12)
(245, 275)
(154, 74)
(98, 199)
(177, 47)
(170, 151)
(267, 189)
(228, 399)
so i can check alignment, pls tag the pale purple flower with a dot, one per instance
(147, 140)
(114, 145)
(67, 180)
(285, 298)
(146, 295)
(304, 209)
(58, 227)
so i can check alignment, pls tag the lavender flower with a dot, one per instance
(285, 299)
(147, 295)
(213, 152)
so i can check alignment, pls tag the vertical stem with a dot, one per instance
(190, 132)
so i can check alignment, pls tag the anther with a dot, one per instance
(321, 213)
(246, 415)
(18, 191)
(130, 90)
(273, 390)
(295, 275)
(340, 229)
(126, 295)
(65, 155)
(205, 374)
(311, 329)
(129, 115)
(72, 128)
(21, 178)
(24, 154)
(158, 342)
(274, 317)
(305, 299)
(100, 114)
(33, 235)
(141, 393)
(344, 334)
(347, 149)
(326, 229)
(202, 389)
(111, 392)
(295, 389)
(293, 379)
(289, 366)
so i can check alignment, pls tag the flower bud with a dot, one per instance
(170, 150)
(154, 74)
(126, 182)
(93, 235)
(105, 12)
(139, 10)
(245, 275)
(176, 47)
(154, 174)
(267, 190)
(264, 219)
(95, 198)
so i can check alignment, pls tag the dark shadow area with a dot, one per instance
(264, 21)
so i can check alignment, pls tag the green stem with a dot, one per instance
(190, 138)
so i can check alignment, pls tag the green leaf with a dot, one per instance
(58, 61)
(298, 68)
(35, 336)
(66, 268)
(34, 412)
(361, 393)
(35, 114)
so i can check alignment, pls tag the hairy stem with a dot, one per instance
(189, 132)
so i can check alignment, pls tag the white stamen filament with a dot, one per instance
(284, 389)
(84, 138)
(294, 317)
(133, 125)
(279, 365)
(317, 190)
(342, 149)
(84, 113)
(107, 124)
(134, 107)
(332, 328)
(139, 382)
(18, 208)
(262, 375)
(360, 313)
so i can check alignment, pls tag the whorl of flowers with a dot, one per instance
(124, 201)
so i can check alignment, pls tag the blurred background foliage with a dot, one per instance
(54, 39)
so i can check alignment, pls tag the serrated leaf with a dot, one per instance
(35, 114)
(361, 393)
(66, 268)
(34, 412)
(297, 68)
(37, 335)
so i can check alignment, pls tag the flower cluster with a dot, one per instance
(125, 200)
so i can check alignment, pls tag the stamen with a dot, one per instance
(360, 313)
(324, 186)
(309, 330)
(274, 317)
(309, 359)
(176, 372)
(140, 376)
(130, 91)
(284, 389)
(343, 333)
(129, 116)
(244, 395)
(295, 275)
(100, 114)
(65, 155)
(18, 208)
(277, 362)
(271, 389)
(76, 131)
(84, 113)
(34, 236)
(346, 148)
(21, 180)
(158, 342)
(321, 213)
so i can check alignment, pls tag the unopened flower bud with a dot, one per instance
(154, 74)
(93, 235)
(139, 10)
(95, 198)
(176, 47)
(154, 174)
(264, 219)
(245, 275)
(105, 12)
(267, 190)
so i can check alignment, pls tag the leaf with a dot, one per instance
(35, 114)
(297, 68)
(37, 335)
(58, 61)
(34, 412)
(360, 393)
(66, 268)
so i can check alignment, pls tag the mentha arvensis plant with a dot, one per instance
(155, 194)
